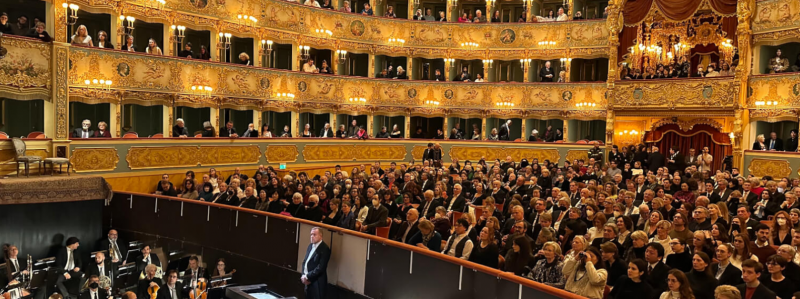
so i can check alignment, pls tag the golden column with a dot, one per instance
(408, 124)
(744, 11)
(613, 22)
(60, 25)
(488, 15)
(60, 94)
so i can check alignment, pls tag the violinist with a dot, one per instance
(94, 291)
(195, 272)
(173, 289)
(150, 284)
(220, 270)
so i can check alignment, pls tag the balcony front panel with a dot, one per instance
(154, 79)
(774, 97)
(25, 71)
(776, 19)
(675, 94)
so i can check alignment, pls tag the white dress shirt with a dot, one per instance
(310, 254)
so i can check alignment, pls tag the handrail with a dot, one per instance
(491, 271)
(318, 139)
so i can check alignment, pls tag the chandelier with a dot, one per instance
(246, 20)
(155, 4)
(396, 41)
(323, 32)
(727, 50)
(283, 92)
(357, 101)
(98, 84)
(470, 45)
(585, 105)
(202, 90)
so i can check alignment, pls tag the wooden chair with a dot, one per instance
(130, 135)
(383, 232)
(4, 135)
(501, 262)
(456, 216)
(34, 135)
(19, 152)
(159, 135)
(478, 211)
(499, 207)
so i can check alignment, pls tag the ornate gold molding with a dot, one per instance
(94, 159)
(777, 169)
(464, 153)
(366, 152)
(674, 94)
(148, 157)
(281, 153)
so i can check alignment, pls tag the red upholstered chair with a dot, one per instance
(581, 142)
(383, 232)
(198, 136)
(33, 135)
(159, 135)
(4, 135)
(130, 135)
(499, 207)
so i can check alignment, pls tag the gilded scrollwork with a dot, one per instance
(773, 15)
(675, 94)
(26, 66)
(94, 159)
(776, 168)
(281, 153)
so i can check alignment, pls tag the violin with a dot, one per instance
(153, 291)
(199, 292)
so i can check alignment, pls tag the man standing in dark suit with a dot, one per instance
(409, 227)
(326, 131)
(655, 160)
(656, 270)
(431, 154)
(676, 160)
(376, 217)
(228, 131)
(723, 271)
(68, 264)
(315, 266)
(94, 291)
(791, 143)
(546, 73)
(117, 249)
(505, 130)
(751, 271)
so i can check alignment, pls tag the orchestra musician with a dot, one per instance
(173, 289)
(68, 262)
(94, 291)
(149, 280)
(117, 249)
(147, 258)
(219, 270)
(101, 267)
(14, 265)
(195, 272)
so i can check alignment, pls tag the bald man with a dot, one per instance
(409, 227)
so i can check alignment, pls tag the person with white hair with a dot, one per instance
(251, 131)
(179, 130)
(83, 131)
(534, 135)
(401, 73)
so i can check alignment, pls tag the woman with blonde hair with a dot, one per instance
(82, 37)
(727, 292)
(662, 236)
(152, 48)
(760, 144)
(548, 270)
(244, 58)
(638, 246)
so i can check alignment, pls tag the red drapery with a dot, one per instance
(635, 12)
(698, 137)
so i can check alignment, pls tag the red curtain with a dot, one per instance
(674, 10)
(626, 39)
(698, 137)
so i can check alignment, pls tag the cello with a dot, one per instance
(153, 291)
(199, 292)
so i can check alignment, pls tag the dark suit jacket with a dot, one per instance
(93, 269)
(77, 133)
(140, 264)
(762, 292)
(144, 284)
(655, 161)
(376, 218)
(125, 48)
(178, 131)
(431, 209)
(427, 185)
(101, 294)
(778, 144)
(330, 133)
(437, 155)
(163, 292)
(224, 132)
(402, 230)
(715, 197)
(544, 72)
(731, 276)
(253, 133)
(658, 278)
(11, 270)
(316, 267)
(791, 145)
(61, 259)
(679, 164)
(460, 203)
(503, 132)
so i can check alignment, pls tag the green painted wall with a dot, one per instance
(21, 117)
(788, 50)
(144, 120)
(276, 121)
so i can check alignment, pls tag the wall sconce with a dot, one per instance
(488, 61)
(566, 60)
(397, 41)
(180, 34)
(525, 63)
(526, 4)
(225, 40)
(490, 3)
(767, 104)
(247, 20)
(342, 56)
(323, 32)
(127, 23)
(470, 45)
(202, 90)
(586, 105)
(266, 46)
(71, 13)
(357, 100)
(450, 61)
(304, 52)
(98, 84)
